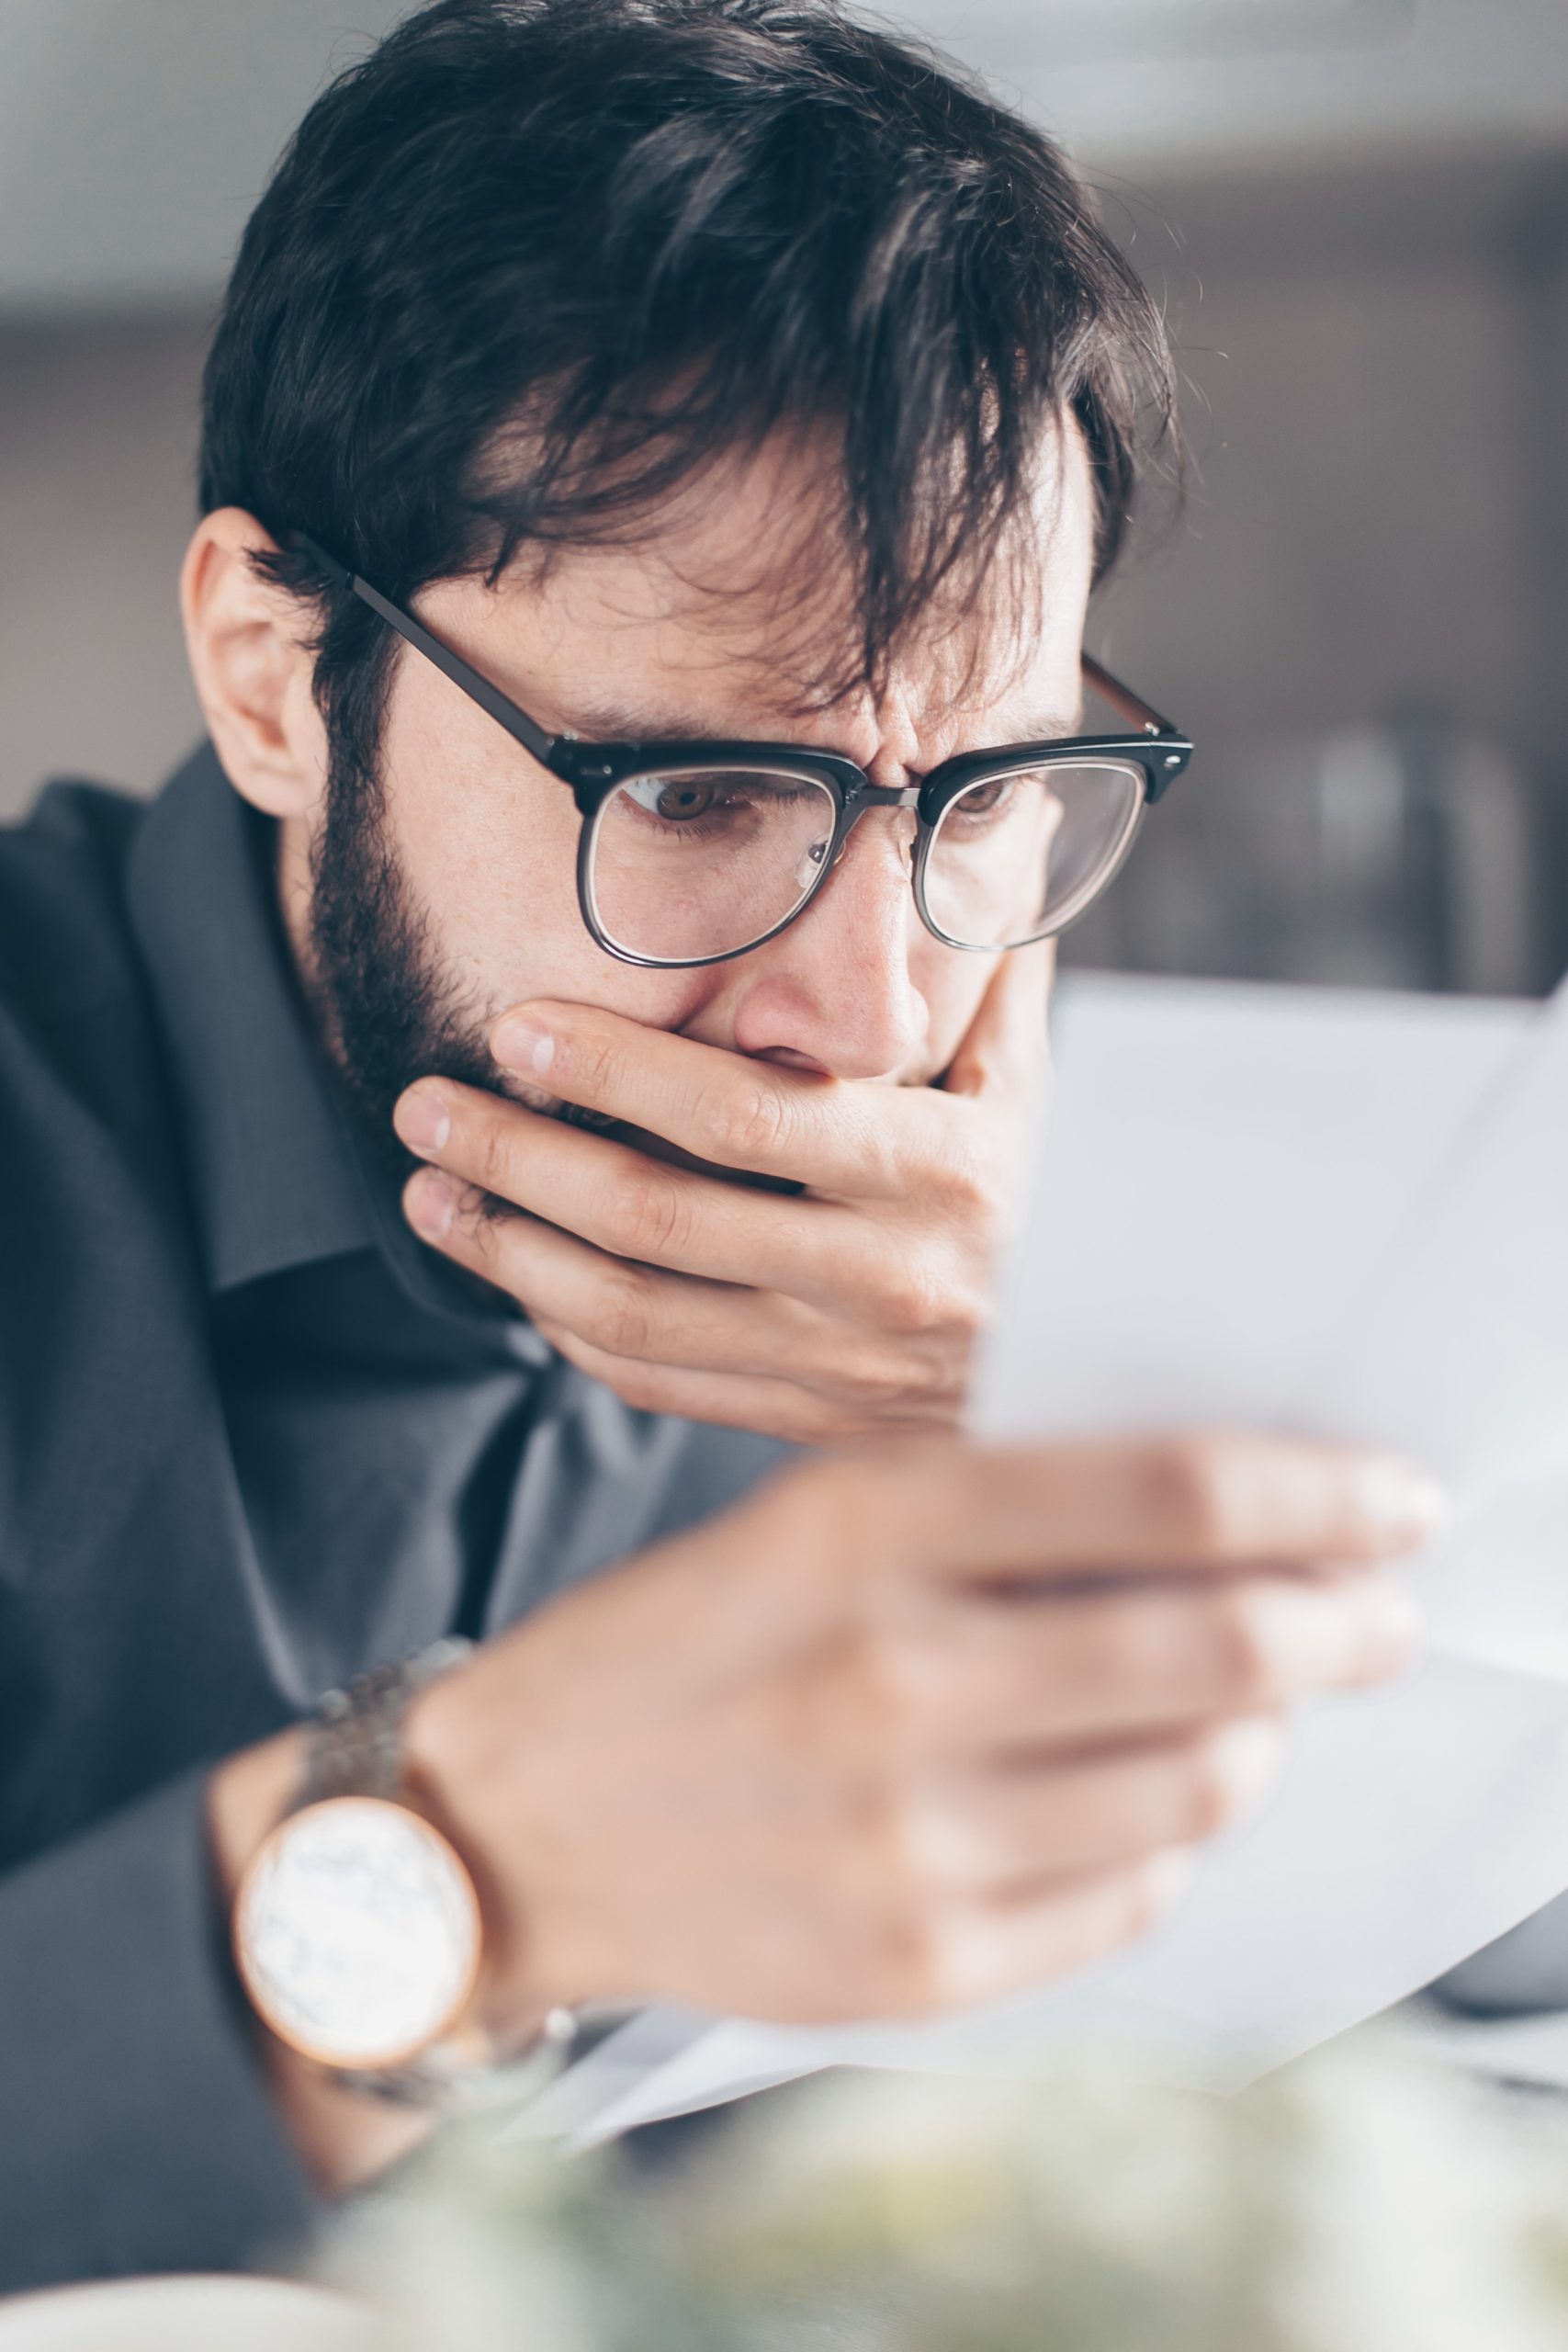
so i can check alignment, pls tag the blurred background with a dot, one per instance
(1356, 214)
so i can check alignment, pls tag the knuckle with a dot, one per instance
(863, 1379)
(626, 1318)
(974, 1191)
(801, 1418)
(968, 1319)
(970, 1313)
(1191, 1495)
(648, 1216)
(895, 1684)
(930, 1304)
(883, 1383)
(1250, 1666)
(928, 1966)
(916, 1296)
(890, 1850)
(752, 1123)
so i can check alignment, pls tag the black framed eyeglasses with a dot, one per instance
(691, 853)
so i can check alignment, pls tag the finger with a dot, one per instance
(635, 1311)
(979, 1951)
(629, 1204)
(993, 1831)
(1008, 1043)
(1187, 1504)
(765, 1408)
(729, 1109)
(1096, 1666)
(627, 1311)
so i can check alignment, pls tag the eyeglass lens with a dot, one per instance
(694, 863)
(1018, 855)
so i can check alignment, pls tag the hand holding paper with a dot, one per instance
(1317, 1214)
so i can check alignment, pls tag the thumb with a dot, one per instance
(1007, 1046)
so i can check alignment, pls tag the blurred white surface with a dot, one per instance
(1532, 2049)
(194, 2315)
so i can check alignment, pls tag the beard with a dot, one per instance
(387, 1008)
(391, 1011)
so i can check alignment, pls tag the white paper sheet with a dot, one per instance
(1319, 1210)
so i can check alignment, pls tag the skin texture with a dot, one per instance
(821, 1320)
(918, 1722)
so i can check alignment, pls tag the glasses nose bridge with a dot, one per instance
(858, 797)
(861, 800)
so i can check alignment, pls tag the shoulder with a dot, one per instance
(90, 1248)
(88, 1164)
(74, 1014)
(63, 935)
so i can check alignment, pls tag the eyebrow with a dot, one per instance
(611, 722)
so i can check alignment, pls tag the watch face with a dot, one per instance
(356, 1933)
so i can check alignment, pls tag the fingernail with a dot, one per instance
(1170, 1875)
(1393, 1624)
(522, 1044)
(1248, 1757)
(422, 1119)
(431, 1203)
(1399, 1497)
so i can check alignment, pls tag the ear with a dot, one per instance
(252, 668)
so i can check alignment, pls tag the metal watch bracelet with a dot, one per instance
(357, 1749)
(356, 1740)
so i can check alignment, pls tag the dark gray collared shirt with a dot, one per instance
(253, 1438)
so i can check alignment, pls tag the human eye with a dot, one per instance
(678, 799)
(700, 803)
(986, 803)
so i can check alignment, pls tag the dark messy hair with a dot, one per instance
(531, 264)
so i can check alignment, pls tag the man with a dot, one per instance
(556, 1052)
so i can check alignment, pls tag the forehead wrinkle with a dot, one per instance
(969, 657)
(772, 597)
(770, 649)
(604, 721)
(968, 664)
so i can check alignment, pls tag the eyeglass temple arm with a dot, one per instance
(535, 737)
(1123, 699)
(517, 723)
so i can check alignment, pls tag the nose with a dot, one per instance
(836, 988)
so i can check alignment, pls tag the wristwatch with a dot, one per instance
(358, 1933)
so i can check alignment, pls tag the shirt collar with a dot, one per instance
(277, 1177)
(282, 1172)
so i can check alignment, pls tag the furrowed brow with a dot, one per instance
(1045, 727)
(609, 722)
